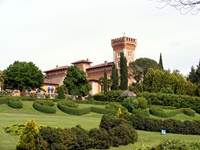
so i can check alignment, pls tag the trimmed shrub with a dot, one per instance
(142, 112)
(15, 103)
(83, 140)
(61, 92)
(142, 102)
(103, 110)
(4, 100)
(45, 106)
(101, 138)
(115, 106)
(72, 109)
(100, 97)
(111, 96)
(130, 103)
(15, 129)
(68, 103)
(91, 102)
(189, 112)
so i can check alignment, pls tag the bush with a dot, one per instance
(61, 92)
(142, 102)
(115, 106)
(63, 106)
(130, 103)
(142, 112)
(101, 138)
(15, 103)
(189, 112)
(45, 106)
(103, 110)
(100, 97)
(4, 100)
(111, 96)
(83, 141)
(68, 103)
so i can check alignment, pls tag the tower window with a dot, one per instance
(118, 54)
(129, 54)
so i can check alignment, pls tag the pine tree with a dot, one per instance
(105, 82)
(161, 62)
(114, 77)
(123, 72)
(61, 92)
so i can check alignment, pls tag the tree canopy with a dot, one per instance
(114, 78)
(23, 75)
(76, 82)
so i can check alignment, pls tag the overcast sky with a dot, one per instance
(59, 32)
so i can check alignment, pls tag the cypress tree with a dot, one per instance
(105, 82)
(161, 62)
(123, 72)
(114, 77)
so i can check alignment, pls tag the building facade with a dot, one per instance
(54, 77)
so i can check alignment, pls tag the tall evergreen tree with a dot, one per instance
(123, 72)
(161, 62)
(105, 82)
(114, 78)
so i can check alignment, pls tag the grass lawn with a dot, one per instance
(10, 116)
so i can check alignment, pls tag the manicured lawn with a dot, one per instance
(10, 116)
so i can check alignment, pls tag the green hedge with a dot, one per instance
(178, 101)
(111, 96)
(157, 111)
(171, 125)
(103, 110)
(189, 112)
(45, 106)
(15, 103)
(73, 111)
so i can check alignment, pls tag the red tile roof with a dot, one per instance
(54, 81)
(57, 68)
(82, 61)
(106, 64)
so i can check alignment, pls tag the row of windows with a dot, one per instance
(129, 54)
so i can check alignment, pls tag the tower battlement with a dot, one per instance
(124, 40)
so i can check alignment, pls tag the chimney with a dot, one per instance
(56, 66)
(105, 62)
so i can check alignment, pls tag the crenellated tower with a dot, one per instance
(126, 45)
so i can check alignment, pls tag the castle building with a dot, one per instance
(54, 77)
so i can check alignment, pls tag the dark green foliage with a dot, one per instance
(142, 102)
(156, 125)
(105, 82)
(130, 103)
(160, 64)
(194, 75)
(101, 138)
(177, 145)
(23, 75)
(178, 101)
(189, 112)
(83, 140)
(141, 112)
(4, 99)
(69, 108)
(111, 96)
(157, 111)
(114, 78)
(123, 72)
(68, 103)
(61, 92)
(76, 82)
(91, 102)
(56, 138)
(120, 131)
(103, 110)
(45, 106)
(15, 103)
(145, 63)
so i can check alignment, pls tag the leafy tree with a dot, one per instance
(114, 78)
(194, 75)
(161, 62)
(123, 72)
(23, 75)
(105, 82)
(145, 63)
(101, 82)
(135, 72)
(76, 82)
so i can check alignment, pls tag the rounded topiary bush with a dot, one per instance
(142, 102)
(45, 106)
(130, 103)
(15, 102)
